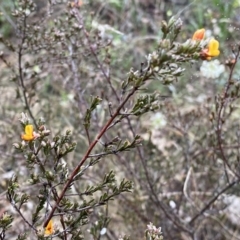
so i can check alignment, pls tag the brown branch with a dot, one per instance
(219, 115)
(85, 157)
(20, 70)
(211, 201)
(153, 195)
(86, 34)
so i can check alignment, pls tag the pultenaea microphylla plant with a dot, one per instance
(62, 189)
(71, 52)
(135, 81)
(62, 147)
(139, 83)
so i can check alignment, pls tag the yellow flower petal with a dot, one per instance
(49, 230)
(213, 48)
(211, 51)
(199, 34)
(29, 130)
(28, 136)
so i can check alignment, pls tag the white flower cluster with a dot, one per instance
(212, 69)
(158, 120)
(154, 232)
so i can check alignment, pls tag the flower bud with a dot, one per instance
(199, 34)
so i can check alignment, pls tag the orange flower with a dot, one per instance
(74, 4)
(29, 134)
(199, 34)
(211, 51)
(49, 230)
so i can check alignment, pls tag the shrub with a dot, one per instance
(91, 133)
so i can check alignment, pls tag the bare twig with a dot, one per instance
(22, 216)
(212, 200)
(219, 116)
(20, 70)
(85, 157)
(185, 186)
(104, 72)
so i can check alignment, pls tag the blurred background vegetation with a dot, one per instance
(177, 140)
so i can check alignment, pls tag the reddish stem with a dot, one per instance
(92, 145)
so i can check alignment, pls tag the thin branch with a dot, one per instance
(171, 216)
(85, 157)
(211, 201)
(185, 186)
(20, 70)
(22, 216)
(219, 116)
(106, 75)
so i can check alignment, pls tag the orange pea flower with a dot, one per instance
(49, 230)
(74, 4)
(211, 51)
(199, 34)
(28, 136)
